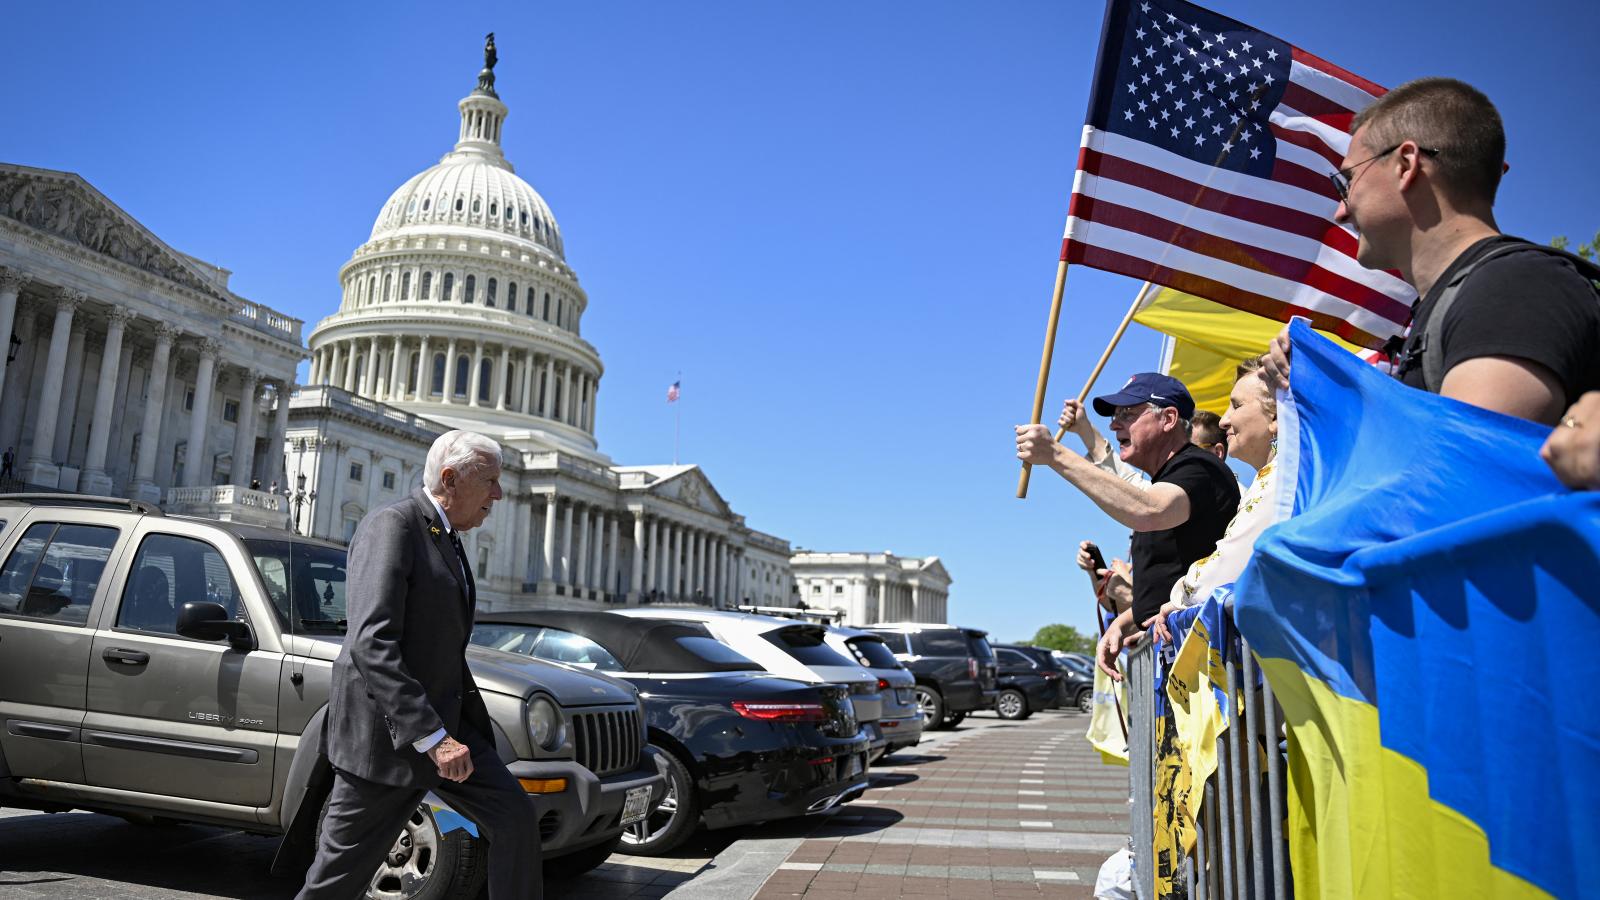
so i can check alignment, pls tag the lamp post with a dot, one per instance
(13, 348)
(301, 495)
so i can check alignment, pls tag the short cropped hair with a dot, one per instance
(1207, 429)
(1449, 116)
(463, 451)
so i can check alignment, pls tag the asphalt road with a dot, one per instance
(85, 856)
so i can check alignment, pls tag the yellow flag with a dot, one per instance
(1107, 729)
(1209, 340)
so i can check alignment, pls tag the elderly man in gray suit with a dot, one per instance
(404, 715)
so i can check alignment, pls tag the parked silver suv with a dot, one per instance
(178, 668)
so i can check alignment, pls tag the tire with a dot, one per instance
(580, 862)
(955, 719)
(672, 820)
(1012, 704)
(1085, 701)
(932, 706)
(424, 864)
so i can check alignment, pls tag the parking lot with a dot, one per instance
(990, 809)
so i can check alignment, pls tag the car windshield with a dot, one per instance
(551, 644)
(873, 653)
(508, 638)
(305, 582)
(805, 643)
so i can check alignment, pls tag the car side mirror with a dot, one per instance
(207, 621)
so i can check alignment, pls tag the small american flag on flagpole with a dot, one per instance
(1204, 167)
(672, 392)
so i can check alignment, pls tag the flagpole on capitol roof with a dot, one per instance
(673, 393)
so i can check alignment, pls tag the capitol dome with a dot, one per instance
(460, 306)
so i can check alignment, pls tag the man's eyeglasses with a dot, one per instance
(1126, 414)
(1342, 178)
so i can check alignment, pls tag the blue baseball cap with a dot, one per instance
(1148, 387)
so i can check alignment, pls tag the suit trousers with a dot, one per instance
(363, 819)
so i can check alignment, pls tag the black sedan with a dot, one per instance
(738, 745)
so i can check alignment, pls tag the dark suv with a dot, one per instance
(1022, 669)
(954, 667)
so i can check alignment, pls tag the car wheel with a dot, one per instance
(1011, 705)
(672, 820)
(580, 862)
(1086, 700)
(932, 706)
(427, 864)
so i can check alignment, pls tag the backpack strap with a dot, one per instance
(1430, 345)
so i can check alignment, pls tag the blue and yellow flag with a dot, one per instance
(1429, 619)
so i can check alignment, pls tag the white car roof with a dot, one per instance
(744, 632)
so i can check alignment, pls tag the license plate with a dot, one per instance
(637, 805)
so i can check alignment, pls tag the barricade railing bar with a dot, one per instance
(1240, 852)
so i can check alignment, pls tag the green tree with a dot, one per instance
(1589, 251)
(1063, 637)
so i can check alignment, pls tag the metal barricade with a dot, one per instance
(1240, 852)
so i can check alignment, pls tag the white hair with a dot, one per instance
(462, 451)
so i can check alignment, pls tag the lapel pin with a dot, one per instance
(434, 529)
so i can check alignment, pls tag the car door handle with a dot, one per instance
(126, 657)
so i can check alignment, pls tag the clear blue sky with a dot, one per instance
(838, 220)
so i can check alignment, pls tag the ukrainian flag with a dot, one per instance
(1429, 619)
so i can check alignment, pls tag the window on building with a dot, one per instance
(463, 365)
(53, 571)
(485, 377)
(167, 568)
(350, 523)
(477, 205)
(511, 297)
(524, 220)
(491, 294)
(411, 372)
(427, 202)
(530, 301)
(449, 286)
(838, 589)
(469, 289)
(372, 289)
(188, 399)
(405, 286)
(816, 589)
(427, 285)
(547, 306)
(458, 204)
(230, 410)
(388, 288)
(388, 481)
(356, 470)
(494, 210)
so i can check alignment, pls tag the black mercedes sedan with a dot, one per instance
(738, 745)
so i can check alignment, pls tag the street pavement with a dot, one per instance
(990, 809)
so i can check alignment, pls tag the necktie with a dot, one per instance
(466, 570)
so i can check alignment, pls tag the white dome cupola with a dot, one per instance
(460, 306)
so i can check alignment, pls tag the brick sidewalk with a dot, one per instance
(1016, 810)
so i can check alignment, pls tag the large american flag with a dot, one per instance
(1204, 167)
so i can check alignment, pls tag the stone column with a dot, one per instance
(597, 571)
(197, 467)
(652, 548)
(397, 384)
(11, 283)
(351, 376)
(697, 563)
(550, 537)
(71, 386)
(117, 454)
(330, 372)
(424, 372)
(528, 383)
(41, 468)
(522, 508)
(475, 377)
(280, 436)
(581, 558)
(316, 366)
(611, 585)
(502, 379)
(14, 398)
(244, 431)
(636, 577)
(567, 397)
(566, 544)
(450, 372)
(718, 570)
(675, 561)
(548, 399)
(368, 386)
(144, 486)
(95, 480)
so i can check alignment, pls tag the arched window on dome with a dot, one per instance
(470, 289)
(411, 206)
(463, 366)
(405, 285)
(490, 294)
(546, 316)
(426, 202)
(449, 287)
(524, 220)
(531, 297)
(494, 210)
(388, 288)
(458, 204)
(437, 386)
(427, 286)
(560, 312)
(485, 377)
(477, 205)
(372, 289)
(508, 212)
(511, 297)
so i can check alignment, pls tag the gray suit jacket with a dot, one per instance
(402, 674)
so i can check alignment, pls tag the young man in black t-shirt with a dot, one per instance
(1180, 516)
(1418, 182)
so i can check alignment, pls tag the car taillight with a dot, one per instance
(972, 667)
(883, 684)
(781, 712)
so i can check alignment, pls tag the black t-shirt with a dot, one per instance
(1161, 557)
(1528, 304)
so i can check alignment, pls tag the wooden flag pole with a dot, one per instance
(1044, 363)
(1116, 338)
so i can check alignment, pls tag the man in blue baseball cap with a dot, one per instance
(1191, 497)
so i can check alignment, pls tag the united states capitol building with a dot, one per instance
(134, 370)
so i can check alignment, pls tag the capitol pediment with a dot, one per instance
(687, 485)
(65, 206)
